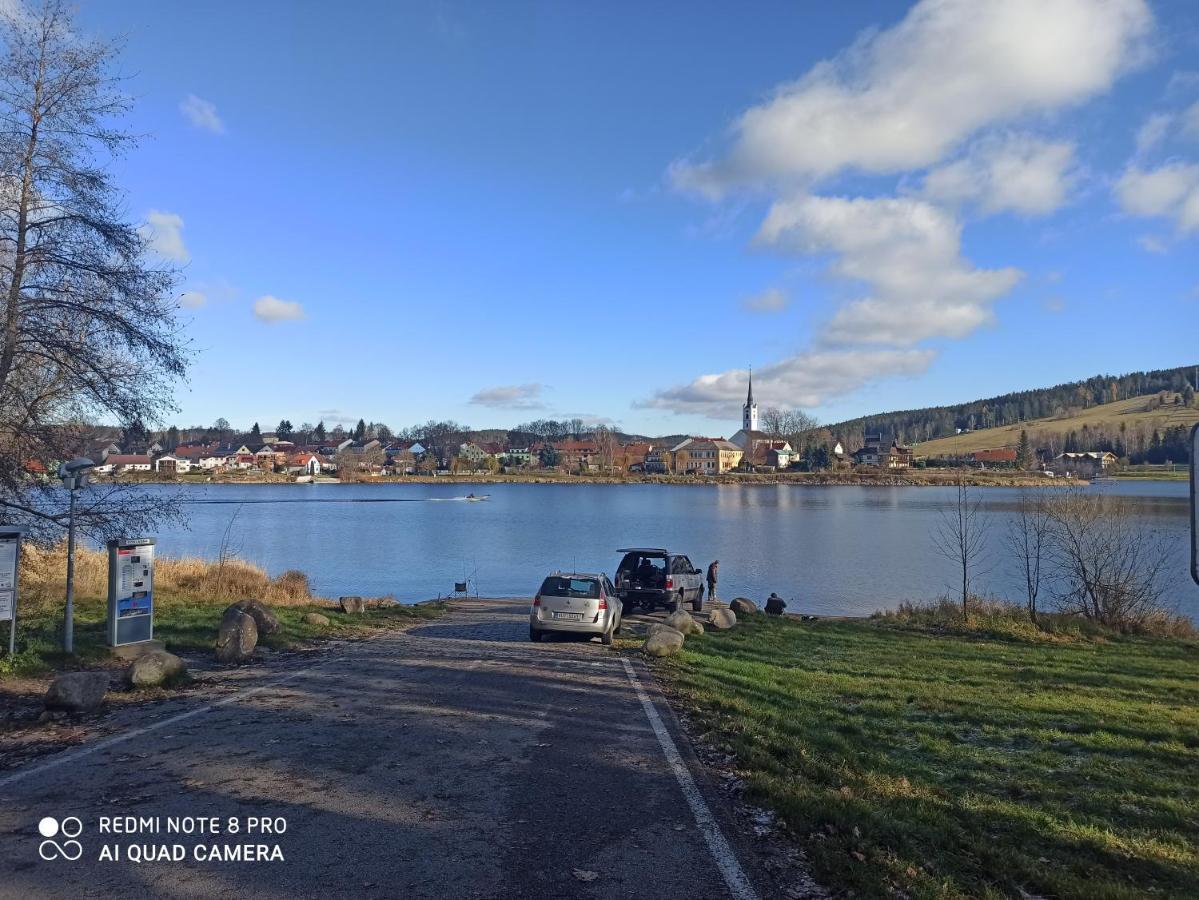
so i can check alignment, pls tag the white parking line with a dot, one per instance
(71, 756)
(722, 852)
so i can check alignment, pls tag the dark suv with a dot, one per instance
(653, 576)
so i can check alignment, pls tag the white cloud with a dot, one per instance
(510, 396)
(163, 232)
(1151, 243)
(771, 300)
(1170, 191)
(807, 379)
(903, 98)
(192, 299)
(1153, 132)
(1010, 173)
(272, 309)
(907, 251)
(1190, 121)
(202, 114)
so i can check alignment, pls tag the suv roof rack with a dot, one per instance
(644, 550)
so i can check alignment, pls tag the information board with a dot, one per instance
(1195, 504)
(8, 577)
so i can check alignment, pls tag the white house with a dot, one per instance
(124, 462)
(172, 463)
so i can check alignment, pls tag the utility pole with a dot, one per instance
(74, 476)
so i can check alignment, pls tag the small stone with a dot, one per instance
(316, 619)
(77, 691)
(156, 668)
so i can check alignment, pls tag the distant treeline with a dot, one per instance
(915, 425)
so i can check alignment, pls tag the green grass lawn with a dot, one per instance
(941, 765)
(184, 623)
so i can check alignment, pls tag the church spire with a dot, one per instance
(749, 412)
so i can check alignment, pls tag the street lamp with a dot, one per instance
(74, 476)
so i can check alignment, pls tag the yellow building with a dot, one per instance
(705, 456)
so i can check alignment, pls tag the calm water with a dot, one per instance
(836, 550)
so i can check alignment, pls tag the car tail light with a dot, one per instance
(603, 602)
(669, 583)
(537, 600)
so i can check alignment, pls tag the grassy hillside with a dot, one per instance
(923, 763)
(1134, 412)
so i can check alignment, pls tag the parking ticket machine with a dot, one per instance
(130, 591)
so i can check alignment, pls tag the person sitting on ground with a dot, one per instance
(775, 604)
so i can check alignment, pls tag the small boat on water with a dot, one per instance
(476, 498)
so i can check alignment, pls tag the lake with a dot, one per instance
(844, 550)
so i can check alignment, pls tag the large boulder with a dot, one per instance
(743, 606)
(682, 621)
(664, 642)
(266, 621)
(654, 627)
(316, 619)
(237, 636)
(352, 604)
(723, 619)
(77, 691)
(156, 668)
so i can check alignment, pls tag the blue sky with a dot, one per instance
(497, 212)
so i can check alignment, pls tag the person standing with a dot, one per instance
(713, 571)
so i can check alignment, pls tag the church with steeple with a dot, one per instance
(753, 442)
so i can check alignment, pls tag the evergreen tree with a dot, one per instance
(172, 439)
(284, 430)
(255, 432)
(359, 430)
(1023, 451)
(318, 433)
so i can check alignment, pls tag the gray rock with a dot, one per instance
(682, 621)
(77, 691)
(743, 606)
(156, 668)
(237, 636)
(316, 619)
(723, 619)
(264, 618)
(654, 627)
(664, 642)
(352, 604)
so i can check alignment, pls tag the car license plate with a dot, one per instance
(573, 617)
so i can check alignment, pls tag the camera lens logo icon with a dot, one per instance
(69, 828)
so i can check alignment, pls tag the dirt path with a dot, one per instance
(454, 760)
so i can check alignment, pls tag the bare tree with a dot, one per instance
(606, 446)
(960, 535)
(1112, 568)
(87, 327)
(790, 425)
(1028, 539)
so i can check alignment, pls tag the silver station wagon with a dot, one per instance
(576, 603)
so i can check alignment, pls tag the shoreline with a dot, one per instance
(935, 478)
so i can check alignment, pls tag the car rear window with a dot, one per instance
(555, 586)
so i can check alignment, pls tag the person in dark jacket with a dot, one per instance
(713, 571)
(775, 605)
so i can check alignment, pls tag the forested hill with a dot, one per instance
(918, 425)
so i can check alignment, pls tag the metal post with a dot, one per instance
(68, 633)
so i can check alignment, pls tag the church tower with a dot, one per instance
(749, 412)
